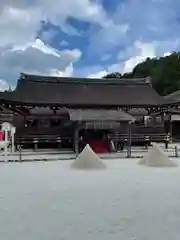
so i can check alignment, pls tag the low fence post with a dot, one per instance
(146, 142)
(35, 141)
(176, 151)
(20, 152)
(129, 152)
(59, 142)
(166, 141)
(129, 140)
(126, 143)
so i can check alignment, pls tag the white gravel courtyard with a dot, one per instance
(51, 201)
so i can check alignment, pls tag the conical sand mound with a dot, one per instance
(88, 160)
(156, 158)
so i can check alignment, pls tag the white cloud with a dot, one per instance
(116, 67)
(18, 26)
(146, 21)
(142, 51)
(108, 37)
(74, 54)
(36, 57)
(137, 53)
(86, 10)
(98, 74)
(166, 54)
(21, 19)
(38, 44)
(68, 72)
(20, 22)
(4, 85)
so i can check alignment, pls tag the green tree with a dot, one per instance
(113, 75)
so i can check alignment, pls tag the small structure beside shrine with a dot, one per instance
(174, 115)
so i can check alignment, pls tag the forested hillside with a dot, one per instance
(165, 73)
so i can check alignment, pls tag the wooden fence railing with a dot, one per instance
(135, 138)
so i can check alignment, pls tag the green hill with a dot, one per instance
(164, 71)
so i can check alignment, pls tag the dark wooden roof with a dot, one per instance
(86, 114)
(42, 90)
(99, 115)
(47, 111)
(138, 112)
(175, 96)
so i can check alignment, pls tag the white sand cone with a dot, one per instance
(156, 158)
(88, 160)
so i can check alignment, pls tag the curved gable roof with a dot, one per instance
(33, 89)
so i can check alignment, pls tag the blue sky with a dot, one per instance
(85, 38)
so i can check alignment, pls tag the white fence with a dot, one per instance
(136, 152)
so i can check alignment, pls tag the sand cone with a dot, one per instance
(88, 160)
(156, 158)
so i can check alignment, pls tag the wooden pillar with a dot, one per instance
(76, 139)
(25, 121)
(163, 121)
(129, 140)
(170, 125)
(162, 118)
(116, 141)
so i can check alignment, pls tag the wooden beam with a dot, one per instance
(15, 109)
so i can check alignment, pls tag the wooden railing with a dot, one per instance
(51, 135)
(43, 131)
(143, 130)
(135, 138)
(46, 135)
(50, 139)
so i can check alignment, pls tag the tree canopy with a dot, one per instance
(113, 75)
(164, 71)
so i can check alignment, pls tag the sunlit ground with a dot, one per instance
(50, 201)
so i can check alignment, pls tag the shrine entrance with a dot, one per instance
(96, 138)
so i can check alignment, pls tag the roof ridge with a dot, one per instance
(173, 94)
(53, 79)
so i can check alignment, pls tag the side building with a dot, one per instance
(174, 114)
(67, 112)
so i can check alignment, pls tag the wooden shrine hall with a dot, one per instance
(71, 112)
